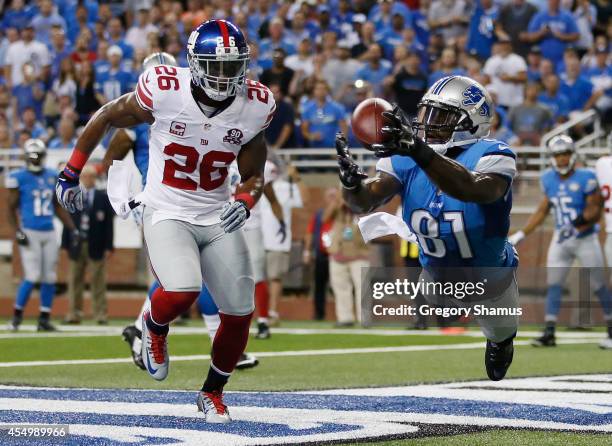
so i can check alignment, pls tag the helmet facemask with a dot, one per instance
(221, 75)
(35, 153)
(570, 165)
(438, 124)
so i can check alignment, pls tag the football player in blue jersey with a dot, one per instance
(32, 206)
(455, 187)
(136, 140)
(574, 195)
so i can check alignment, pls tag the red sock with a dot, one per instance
(168, 305)
(262, 299)
(230, 342)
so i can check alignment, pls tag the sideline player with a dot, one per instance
(32, 206)
(136, 140)
(603, 170)
(456, 194)
(202, 118)
(575, 197)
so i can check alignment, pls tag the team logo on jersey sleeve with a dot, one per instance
(234, 136)
(178, 128)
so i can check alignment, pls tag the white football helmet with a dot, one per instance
(35, 151)
(455, 111)
(562, 144)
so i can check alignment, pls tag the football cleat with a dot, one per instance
(606, 344)
(546, 340)
(45, 325)
(14, 324)
(154, 351)
(133, 336)
(246, 361)
(263, 331)
(211, 405)
(498, 357)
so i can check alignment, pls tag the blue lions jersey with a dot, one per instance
(36, 192)
(141, 149)
(568, 196)
(453, 233)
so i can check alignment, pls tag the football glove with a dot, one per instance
(68, 192)
(234, 215)
(516, 238)
(350, 173)
(21, 238)
(402, 141)
(282, 231)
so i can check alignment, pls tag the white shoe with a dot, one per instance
(211, 405)
(606, 344)
(154, 351)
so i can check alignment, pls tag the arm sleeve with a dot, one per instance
(499, 164)
(385, 165)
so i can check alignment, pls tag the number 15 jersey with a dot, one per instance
(189, 153)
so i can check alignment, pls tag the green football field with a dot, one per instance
(307, 356)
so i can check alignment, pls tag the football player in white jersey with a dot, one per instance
(603, 170)
(202, 118)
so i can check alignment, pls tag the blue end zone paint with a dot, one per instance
(444, 406)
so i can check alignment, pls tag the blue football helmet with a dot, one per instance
(218, 57)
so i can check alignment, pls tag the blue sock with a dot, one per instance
(553, 300)
(23, 294)
(155, 285)
(206, 304)
(605, 298)
(47, 292)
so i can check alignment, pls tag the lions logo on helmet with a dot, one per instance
(35, 153)
(455, 111)
(218, 57)
(561, 145)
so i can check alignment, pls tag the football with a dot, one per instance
(367, 121)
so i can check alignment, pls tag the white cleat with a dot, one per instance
(606, 344)
(211, 405)
(154, 352)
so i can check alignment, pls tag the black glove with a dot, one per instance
(350, 173)
(402, 142)
(21, 238)
(282, 231)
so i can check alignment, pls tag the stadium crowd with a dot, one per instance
(542, 60)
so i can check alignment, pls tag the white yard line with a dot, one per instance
(322, 352)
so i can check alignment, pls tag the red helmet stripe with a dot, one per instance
(224, 32)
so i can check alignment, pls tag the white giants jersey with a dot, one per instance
(603, 169)
(189, 153)
(270, 174)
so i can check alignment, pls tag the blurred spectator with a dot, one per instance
(316, 242)
(137, 35)
(501, 132)
(507, 73)
(30, 93)
(481, 34)
(6, 139)
(279, 133)
(447, 67)
(512, 22)
(473, 69)
(279, 73)
(298, 32)
(376, 68)
(23, 51)
(340, 70)
(555, 101)
(322, 118)
(277, 39)
(30, 124)
(534, 59)
(66, 138)
(349, 254)
(45, 19)
(95, 226)
(530, 119)
(115, 37)
(87, 100)
(195, 14)
(325, 23)
(58, 50)
(382, 14)
(79, 23)
(392, 35)
(546, 68)
(552, 29)
(601, 77)
(585, 15)
(18, 15)
(577, 88)
(22, 136)
(407, 83)
(102, 64)
(448, 18)
(301, 62)
(82, 54)
(65, 84)
(115, 81)
(366, 39)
